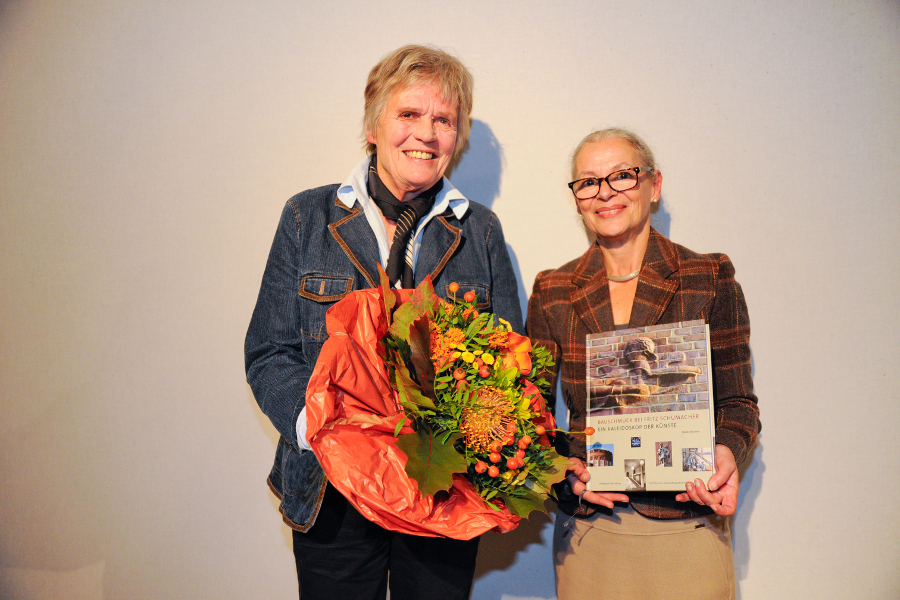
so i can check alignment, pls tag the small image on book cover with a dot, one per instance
(663, 454)
(649, 395)
(696, 459)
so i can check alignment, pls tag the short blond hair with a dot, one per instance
(412, 65)
(632, 138)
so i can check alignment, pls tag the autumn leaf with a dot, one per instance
(420, 350)
(553, 472)
(524, 503)
(408, 391)
(431, 463)
(421, 303)
(387, 296)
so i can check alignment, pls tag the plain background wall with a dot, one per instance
(146, 151)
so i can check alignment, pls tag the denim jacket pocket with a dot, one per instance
(482, 293)
(325, 288)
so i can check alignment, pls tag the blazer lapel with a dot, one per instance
(655, 289)
(354, 235)
(590, 298)
(439, 241)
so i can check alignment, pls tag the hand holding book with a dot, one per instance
(578, 472)
(723, 485)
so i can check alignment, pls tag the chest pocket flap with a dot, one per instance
(325, 288)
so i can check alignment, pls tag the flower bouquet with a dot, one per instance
(428, 417)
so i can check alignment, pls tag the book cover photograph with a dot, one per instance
(650, 404)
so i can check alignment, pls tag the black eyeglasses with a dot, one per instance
(589, 187)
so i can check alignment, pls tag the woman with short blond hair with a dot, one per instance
(396, 210)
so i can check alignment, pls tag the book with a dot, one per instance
(650, 402)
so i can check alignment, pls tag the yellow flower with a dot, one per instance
(478, 352)
(460, 346)
(488, 359)
(468, 357)
(455, 355)
(506, 324)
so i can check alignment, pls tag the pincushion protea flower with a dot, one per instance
(486, 419)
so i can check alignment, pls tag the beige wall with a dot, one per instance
(146, 150)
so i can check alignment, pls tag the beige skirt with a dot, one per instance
(629, 556)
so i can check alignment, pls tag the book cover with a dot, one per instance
(650, 403)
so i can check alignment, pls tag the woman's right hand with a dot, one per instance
(578, 476)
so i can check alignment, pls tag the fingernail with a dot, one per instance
(689, 486)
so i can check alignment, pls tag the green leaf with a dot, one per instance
(524, 504)
(399, 426)
(431, 463)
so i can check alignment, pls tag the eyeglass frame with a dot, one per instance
(600, 180)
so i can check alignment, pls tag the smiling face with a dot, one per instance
(616, 217)
(415, 138)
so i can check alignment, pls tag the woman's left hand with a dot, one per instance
(723, 485)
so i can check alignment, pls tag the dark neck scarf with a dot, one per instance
(407, 215)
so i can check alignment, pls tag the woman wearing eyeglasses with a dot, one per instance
(642, 545)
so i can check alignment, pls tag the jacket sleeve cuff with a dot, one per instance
(735, 443)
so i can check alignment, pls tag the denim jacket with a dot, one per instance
(322, 251)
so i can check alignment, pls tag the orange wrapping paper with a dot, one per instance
(352, 412)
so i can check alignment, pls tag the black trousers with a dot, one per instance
(346, 557)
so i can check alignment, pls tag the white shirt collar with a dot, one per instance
(354, 188)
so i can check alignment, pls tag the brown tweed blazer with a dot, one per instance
(676, 284)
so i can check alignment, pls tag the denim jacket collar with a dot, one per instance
(353, 190)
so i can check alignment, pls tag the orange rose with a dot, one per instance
(518, 353)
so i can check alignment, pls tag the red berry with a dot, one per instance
(459, 373)
(484, 372)
(525, 442)
(481, 466)
(512, 427)
(512, 463)
(469, 296)
(493, 471)
(495, 446)
(462, 385)
(453, 287)
(495, 457)
(520, 453)
(539, 430)
(589, 430)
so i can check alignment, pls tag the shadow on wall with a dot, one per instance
(477, 175)
(517, 564)
(660, 218)
(751, 473)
